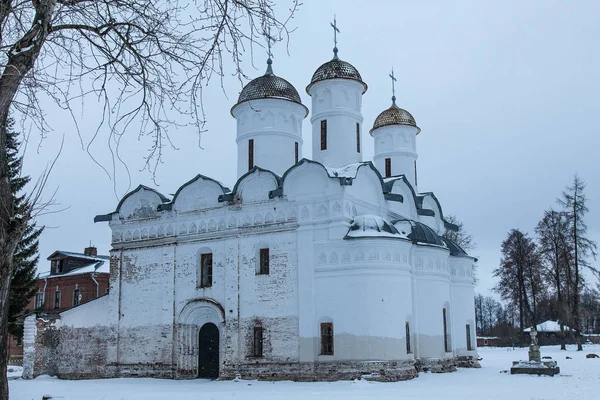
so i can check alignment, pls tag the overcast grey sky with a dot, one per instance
(506, 94)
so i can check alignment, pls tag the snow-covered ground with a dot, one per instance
(579, 379)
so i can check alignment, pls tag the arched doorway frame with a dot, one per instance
(194, 315)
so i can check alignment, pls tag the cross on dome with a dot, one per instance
(393, 86)
(335, 32)
(269, 38)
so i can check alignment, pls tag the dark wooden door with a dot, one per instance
(208, 351)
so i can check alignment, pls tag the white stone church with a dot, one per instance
(307, 269)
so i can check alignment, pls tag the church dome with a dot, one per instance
(394, 116)
(418, 232)
(269, 86)
(336, 69)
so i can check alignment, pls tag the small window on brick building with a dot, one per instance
(446, 342)
(57, 299)
(60, 264)
(327, 339)
(388, 167)
(257, 345)
(324, 134)
(76, 297)
(408, 349)
(469, 344)
(250, 154)
(206, 270)
(296, 152)
(39, 300)
(263, 262)
(357, 137)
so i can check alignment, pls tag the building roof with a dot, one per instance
(96, 265)
(64, 254)
(547, 326)
(419, 232)
(269, 86)
(371, 226)
(336, 69)
(455, 249)
(394, 116)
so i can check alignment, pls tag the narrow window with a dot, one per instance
(415, 172)
(263, 267)
(296, 152)
(327, 339)
(39, 300)
(388, 167)
(446, 344)
(57, 299)
(206, 270)
(324, 134)
(250, 154)
(408, 350)
(257, 348)
(469, 345)
(357, 137)
(76, 297)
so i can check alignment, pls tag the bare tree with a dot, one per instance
(461, 237)
(519, 275)
(551, 232)
(575, 208)
(144, 61)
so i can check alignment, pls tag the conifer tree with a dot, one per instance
(25, 258)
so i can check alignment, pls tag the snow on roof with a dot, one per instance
(78, 255)
(372, 226)
(98, 267)
(548, 326)
(349, 171)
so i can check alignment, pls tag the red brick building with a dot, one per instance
(73, 279)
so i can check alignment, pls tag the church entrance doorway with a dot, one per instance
(208, 351)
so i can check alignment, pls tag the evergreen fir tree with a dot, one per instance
(25, 258)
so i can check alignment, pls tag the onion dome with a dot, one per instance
(394, 116)
(269, 86)
(336, 69)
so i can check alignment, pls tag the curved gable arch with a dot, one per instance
(304, 178)
(199, 193)
(255, 185)
(142, 202)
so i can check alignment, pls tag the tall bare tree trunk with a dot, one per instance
(21, 58)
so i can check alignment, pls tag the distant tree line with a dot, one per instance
(544, 277)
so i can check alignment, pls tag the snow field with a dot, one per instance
(579, 379)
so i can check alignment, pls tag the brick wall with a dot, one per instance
(67, 285)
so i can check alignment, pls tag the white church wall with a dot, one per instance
(146, 306)
(398, 143)
(463, 292)
(432, 295)
(87, 315)
(363, 287)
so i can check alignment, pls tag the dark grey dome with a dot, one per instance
(372, 223)
(336, 69)
(269, 86)
(394, 116)
(455, 249)
(418, 232)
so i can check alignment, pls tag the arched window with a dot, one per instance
(206, 270)
(407, 327)
(327, 338)
(257, 345)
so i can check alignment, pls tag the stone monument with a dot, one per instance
(535, 365)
